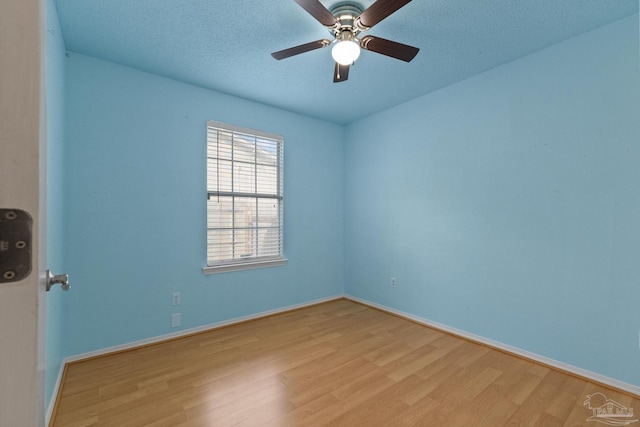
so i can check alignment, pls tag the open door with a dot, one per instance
(22, 190)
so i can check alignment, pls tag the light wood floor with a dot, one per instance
(338, 363)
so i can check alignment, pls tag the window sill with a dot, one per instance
(227, 268)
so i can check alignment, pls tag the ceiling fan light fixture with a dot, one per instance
(345, 21)
(345, 52)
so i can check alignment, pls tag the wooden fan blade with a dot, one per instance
(296, 50)
(389, 48)
(318, 11)
(340, 73)
(379, 11)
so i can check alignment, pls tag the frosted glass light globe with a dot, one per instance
(345, 52)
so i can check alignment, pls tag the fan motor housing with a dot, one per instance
(346, 14)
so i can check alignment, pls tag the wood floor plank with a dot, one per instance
(338, 363)
(417, 413)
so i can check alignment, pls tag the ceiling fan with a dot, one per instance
(345, 21)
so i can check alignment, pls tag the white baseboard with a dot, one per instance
(54, 395)
(611, 382)
(160, 338)
(203, 328)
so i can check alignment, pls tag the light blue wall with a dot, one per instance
(508, 205)
(135, 215)
(55, 69)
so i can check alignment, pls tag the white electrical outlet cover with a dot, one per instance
(175, 320)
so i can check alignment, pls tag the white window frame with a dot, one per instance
(234, 263)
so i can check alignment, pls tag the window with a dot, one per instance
(244, 199)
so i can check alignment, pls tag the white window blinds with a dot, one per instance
(244, 195)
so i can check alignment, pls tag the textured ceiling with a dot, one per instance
(226, 45)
